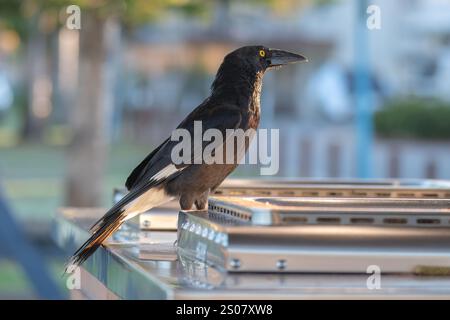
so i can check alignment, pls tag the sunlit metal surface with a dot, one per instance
(415, 212)
(119, 268)
(239, 246)
(165, 217)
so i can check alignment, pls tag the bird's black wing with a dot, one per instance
(142, 170)
(220, 117)
(137, 172)
(158, 167)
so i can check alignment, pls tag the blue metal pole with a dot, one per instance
(14, 244)
(363, 94)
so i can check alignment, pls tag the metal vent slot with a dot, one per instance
(221, 211)
(262, 193)
(310, 193)
(295, 219)
(222, 218)
(335, 194)
(406, 195)
(359, 193)
(361, 220)
(428, 221)
(395, 220)
(286, 193)
(429, 195)
(383, 194)
(328, 220)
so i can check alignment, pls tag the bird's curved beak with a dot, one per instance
(281, 57)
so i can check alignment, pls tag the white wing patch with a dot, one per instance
(153, 197)
(150, 199)
(166, 172)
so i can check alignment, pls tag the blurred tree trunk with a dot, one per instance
(90, 118)
(37, 82)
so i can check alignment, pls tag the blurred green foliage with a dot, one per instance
(19, 15)
(16, 14)
(414, 118)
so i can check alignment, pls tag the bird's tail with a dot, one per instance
(103, 229)
(130, 205)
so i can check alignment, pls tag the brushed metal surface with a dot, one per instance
(118, 267)
(165, 217)
(237, 247)
(336, 211)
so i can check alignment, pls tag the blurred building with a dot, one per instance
(409, 54)
(158, 72)
(170, 65)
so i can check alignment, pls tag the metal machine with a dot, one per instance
(347, 237)
(331, 226)
(338, 228)
(165, 217)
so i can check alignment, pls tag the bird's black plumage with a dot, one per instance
(234, 103)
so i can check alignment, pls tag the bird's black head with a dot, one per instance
(261, 58)
(241, 71)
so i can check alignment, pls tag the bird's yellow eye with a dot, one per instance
(262, 53)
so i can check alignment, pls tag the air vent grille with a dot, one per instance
(337, 192)
(229, 213)
(238, 213)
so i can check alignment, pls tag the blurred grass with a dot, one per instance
(14, 283)
(33, 176)
(12, 280)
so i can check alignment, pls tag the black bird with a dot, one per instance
(234, 103)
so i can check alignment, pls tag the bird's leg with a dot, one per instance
(186, 201)
(201, 203)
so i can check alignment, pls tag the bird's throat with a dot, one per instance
(240, 89)
(256, 92)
